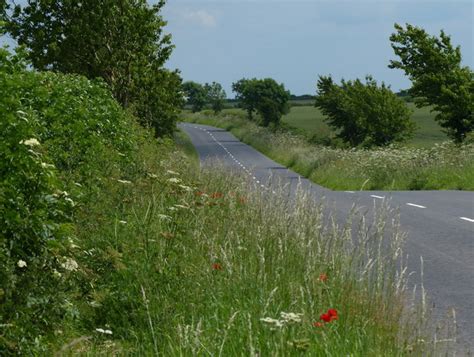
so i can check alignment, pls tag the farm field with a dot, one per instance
(310, 120)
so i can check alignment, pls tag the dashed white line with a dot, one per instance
(379, 197)
(414, 205)
(467, 219)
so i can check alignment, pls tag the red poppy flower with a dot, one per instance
(323, 277)
(329, 316)
(318, 324)
(216, 266)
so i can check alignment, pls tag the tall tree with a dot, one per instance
(216, 96)
(121, 41)
(196, 95)
(433, 64)
(265, 96)
(364, 114)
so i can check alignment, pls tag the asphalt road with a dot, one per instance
(439, 224)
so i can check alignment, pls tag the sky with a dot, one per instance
(294, 41)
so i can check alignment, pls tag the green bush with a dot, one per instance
(58, 134)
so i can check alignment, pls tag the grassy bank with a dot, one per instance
(443, 166)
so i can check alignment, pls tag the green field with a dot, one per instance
(310, 120)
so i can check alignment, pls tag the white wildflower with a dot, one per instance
(172, 172)
(123, 222)
(56, 274)
(164, 217)
(21, 264)
(291, 317)
(172, 209)
(174, 180)
(273, 322)
(186, 188)
(44, 165)
(152, 176)
(70, 264)
(126, 182)
(107, 332)
(30, 142)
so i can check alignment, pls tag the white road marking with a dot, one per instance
(379, 197)
(467, 219)
(349, 191)
(414, 205)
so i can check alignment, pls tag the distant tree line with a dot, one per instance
(122, 42)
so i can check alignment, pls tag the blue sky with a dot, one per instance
(295, 41)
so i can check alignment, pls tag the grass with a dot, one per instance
(309, 121)
(442, 166)
(194, 263)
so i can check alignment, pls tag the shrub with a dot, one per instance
(58, 134)
(364, 114)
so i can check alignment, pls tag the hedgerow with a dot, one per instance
(58, 134)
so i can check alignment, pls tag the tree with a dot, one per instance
(196, 95)
(265, 96)
(121, 41)
(364, 114)
(433, 65)
(216, 96)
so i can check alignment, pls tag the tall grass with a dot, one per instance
(197, 263)
(443, 166)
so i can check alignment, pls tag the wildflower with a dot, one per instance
(185, 188)
(70, 264)
(153, 176)
(56, 274)
(100, 330)
(217, 195)
(123, 222)
(174, 180)
(44, 165)
(21, 264)
(126, 182)
(323, 277)
(30, 142)
(329, 316)
(318, 324)
(270, 321)
(290, 317)
(172, 172)
(216, 266)
(200, 194)
(164, 217)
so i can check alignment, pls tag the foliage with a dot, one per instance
(119, 41)
(196, 95)
(434, 66)
(265, 96)
(216, 96)
(364, 113)
(59, 134)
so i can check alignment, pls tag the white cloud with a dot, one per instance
(201, 17)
